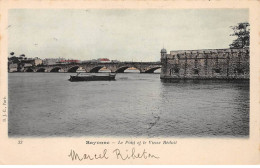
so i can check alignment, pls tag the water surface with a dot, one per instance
(135, 105)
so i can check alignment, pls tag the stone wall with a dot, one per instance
(206, 64)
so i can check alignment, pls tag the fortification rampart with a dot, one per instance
(205, 64)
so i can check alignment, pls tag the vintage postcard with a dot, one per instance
(129, 82)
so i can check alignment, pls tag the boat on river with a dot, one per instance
(90, 77)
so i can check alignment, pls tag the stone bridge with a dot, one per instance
(93, 67)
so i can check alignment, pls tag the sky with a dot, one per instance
(118, 34)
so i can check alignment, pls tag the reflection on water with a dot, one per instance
(47, 104)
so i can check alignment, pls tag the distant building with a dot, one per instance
(86, 61)
(70, 61)
(33, 61)
(93, 60)
(115, 61)
(103, 60)
(51, 61)
(38, 62)
(27, 65)
(13, 67)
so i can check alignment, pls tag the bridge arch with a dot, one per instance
(122, 69)
(55, 69)
(41, 70)
(105, 69)
(151, 70)
(29, 70)
(133, 70)
(73, 69)
(96, 69)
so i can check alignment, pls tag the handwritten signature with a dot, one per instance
(117, 153)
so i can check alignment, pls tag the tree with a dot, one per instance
(14, 59)
(242, 33)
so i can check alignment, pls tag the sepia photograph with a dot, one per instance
(129, 73)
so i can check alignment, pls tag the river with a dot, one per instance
(135, 105)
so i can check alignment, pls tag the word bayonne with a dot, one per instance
(97, 143)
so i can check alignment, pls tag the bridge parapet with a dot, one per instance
(93, 67)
